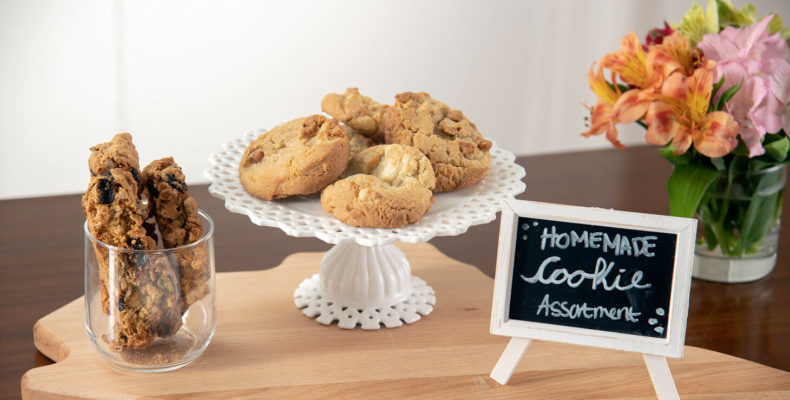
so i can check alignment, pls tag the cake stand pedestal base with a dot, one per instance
(367, 286)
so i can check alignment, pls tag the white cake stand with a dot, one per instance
(364, 279)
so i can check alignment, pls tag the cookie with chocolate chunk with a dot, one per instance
(302, 156)
(458, 152)
(176, 215)
(141, 294)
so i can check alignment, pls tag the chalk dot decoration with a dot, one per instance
(362, 253)
(654, 321)
(524, 228)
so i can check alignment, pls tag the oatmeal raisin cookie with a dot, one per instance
(176, 214)
(143, 296)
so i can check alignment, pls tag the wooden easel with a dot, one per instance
(657, 367)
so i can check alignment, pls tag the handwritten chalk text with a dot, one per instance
(599, 277)
(619, 244)
(561, 309)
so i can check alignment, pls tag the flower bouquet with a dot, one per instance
(714, 92)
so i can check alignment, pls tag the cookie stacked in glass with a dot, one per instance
(144, 293)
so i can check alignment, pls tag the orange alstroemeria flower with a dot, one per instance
(674, 54)
(659, 93)
(601, 116)
(614, 106)
(630, 64)
(681, 114)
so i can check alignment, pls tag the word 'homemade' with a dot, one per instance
(619, 244)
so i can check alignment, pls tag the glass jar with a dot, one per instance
(150, 310)
(739, 219)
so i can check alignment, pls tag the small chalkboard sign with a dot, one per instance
(592, 277)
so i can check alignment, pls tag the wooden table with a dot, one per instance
(41, 263)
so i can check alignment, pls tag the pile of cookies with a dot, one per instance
(377, 166)
(149, 294)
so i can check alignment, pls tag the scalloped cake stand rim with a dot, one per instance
(369, 236)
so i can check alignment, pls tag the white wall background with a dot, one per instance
(185, 76)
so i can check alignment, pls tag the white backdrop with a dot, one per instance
(185, 76)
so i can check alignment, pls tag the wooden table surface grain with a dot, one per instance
(41, 256)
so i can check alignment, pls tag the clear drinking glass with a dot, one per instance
(150, 310)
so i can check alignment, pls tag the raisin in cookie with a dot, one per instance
(385, 186)
(143, 296)
(458, 152)
(357, 111)
(179, 224)
(302, 156)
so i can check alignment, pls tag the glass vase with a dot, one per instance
(739, 219)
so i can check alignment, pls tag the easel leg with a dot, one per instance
(509, 360)
(661, 377)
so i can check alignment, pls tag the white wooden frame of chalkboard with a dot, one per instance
(522, 332)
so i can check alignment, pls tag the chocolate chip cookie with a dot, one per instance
(357, 111)
(176, 215)
(302, 156)
(458, 152)
(385, 186)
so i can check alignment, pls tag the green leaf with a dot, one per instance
(726, 11)
(686, 186)
(668, 153)
(710, 237)
(741, 149)
(696, 23)
(775, 25)
(727, 95)
(729, 15)
(773, 137)
(617, 87)
(716, 87)
(748, 13)
(759, 218)
(777, 150)
(738, 165)
(712, 17)
(718, 162)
